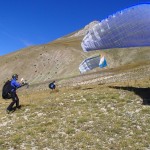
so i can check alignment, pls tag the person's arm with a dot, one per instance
(17, 84)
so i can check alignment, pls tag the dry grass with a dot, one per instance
(85, 117)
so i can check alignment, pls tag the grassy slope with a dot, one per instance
(84, 117)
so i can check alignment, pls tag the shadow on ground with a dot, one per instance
(144, 93)
(87, 89)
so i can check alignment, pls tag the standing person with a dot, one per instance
(15, 100)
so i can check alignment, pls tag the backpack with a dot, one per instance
(6, 90)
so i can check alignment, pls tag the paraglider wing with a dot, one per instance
(103, 62)
(91, 63)
(128, 28)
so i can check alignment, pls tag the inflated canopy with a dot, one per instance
(89, 64)
(92, 63)
(127, 28)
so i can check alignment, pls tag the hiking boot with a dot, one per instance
(8, 111)
(19, 107)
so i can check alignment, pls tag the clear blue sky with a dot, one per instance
(30, 22)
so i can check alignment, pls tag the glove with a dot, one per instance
(24, 83)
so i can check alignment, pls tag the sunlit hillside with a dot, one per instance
(60, 59)
(102, 109)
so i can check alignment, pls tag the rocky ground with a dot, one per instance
(89, 112)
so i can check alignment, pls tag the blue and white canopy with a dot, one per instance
(103, 62)
(127, 28)
(92, 62)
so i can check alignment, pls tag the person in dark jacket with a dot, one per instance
(52, 85)
(15, 100)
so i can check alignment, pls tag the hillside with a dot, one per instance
(60, 59)
(101, 110)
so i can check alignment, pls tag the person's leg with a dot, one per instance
(17, 101)
(10, 107)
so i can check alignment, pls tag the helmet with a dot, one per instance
(15, 76)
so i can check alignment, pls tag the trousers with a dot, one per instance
(15, 100)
